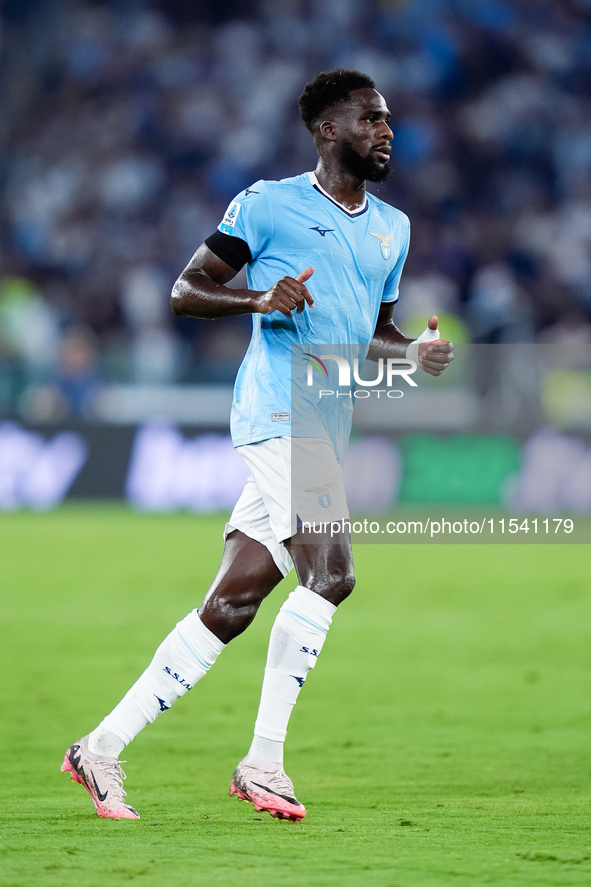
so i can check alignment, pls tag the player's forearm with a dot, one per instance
(388, 341)
(197, 295)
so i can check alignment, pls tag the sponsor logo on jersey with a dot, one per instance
(250, 191)
(384, 244)
(322, 231)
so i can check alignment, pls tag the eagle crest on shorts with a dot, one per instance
(322, 494)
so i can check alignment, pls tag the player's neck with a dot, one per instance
(341, 185)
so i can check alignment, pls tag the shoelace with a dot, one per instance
(277, 780)
(115, 771)
(283, 784)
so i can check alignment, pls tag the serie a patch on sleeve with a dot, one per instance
(229, 220)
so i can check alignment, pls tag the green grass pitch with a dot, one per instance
(442, 740)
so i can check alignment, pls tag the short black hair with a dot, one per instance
(328, 89)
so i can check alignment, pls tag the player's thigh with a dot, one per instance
(300, 484)
(247, 572)
(252, 517)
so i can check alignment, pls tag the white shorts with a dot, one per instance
(293, 481)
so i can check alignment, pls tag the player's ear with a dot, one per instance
(328, 130)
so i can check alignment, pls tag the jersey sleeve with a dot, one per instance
(249, 217)
(392, 284)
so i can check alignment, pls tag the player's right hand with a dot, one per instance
(434, 355)
(287, 295)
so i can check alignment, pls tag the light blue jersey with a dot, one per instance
(358, 259)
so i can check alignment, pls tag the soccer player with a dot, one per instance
(324, 260)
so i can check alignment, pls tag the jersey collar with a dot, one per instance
(352, 214)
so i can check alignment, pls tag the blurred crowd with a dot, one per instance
(128, 125)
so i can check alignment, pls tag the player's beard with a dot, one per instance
(364, 168)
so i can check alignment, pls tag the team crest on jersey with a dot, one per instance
(384, 244)
(229, 220)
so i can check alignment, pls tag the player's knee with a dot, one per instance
(228, 614)
(336, 585)
(348, 584)
(234, 599)
(232, 602)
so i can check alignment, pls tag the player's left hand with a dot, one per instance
(434, 357)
